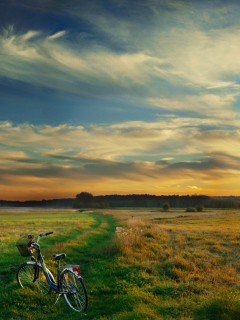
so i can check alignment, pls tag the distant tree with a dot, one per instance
(87, 200)
(83, 200)
(85, 197)
(166, 206)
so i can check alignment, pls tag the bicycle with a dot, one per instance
(36, 276)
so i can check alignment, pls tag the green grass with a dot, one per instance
(158, 265)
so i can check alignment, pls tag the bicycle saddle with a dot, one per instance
(59, 256)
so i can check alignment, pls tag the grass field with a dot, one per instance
(136, 264)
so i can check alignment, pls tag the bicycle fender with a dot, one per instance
(74, 272)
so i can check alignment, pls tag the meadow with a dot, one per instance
(136, 264)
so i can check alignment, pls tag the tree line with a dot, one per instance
(87, 200)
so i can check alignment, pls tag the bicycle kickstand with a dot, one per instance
(59, 296)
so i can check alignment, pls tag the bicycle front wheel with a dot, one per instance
(74, 291)
(25, 278)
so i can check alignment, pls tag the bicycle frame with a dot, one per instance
(40, 261)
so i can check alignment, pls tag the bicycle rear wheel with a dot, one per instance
(25, 278)
(75, 293)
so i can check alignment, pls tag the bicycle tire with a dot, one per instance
(74, 291)
(25, 277)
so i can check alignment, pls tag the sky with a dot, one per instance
(119, 97)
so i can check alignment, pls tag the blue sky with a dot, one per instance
(119, 97)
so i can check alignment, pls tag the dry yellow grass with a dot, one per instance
(198, 252)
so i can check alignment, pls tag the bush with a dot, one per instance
(199, 208)
(166, 206)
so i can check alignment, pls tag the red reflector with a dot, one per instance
(75, 268)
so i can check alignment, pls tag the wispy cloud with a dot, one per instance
(47, 62)
(192, 58)
(200, 58)
(207, 105)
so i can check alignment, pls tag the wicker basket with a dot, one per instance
(22, 245)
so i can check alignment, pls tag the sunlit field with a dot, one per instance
(136, 264)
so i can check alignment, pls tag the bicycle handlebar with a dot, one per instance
(43, 235)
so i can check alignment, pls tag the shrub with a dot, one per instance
(166, 206)
(199, 208)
